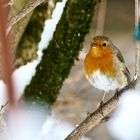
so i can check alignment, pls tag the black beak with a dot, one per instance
(92, 45)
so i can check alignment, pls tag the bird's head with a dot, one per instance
(100, 56)
(101, 41)
(100, 46)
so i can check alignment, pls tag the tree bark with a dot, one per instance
(63, 49)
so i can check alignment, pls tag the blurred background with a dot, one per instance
(77, 96)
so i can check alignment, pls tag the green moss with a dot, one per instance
(63, 49)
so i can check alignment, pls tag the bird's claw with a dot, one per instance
(88, 114)
(101, 108)
(117, 94)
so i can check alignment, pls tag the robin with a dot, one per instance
(104, 66)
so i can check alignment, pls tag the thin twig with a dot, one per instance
(6, 52)
(137, 48)
(26, 10)
(3, 106)
(101, 17)
(136, 12)
(96, 117)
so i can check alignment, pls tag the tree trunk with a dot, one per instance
(63, 49)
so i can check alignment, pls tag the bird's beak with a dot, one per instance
(92, 45)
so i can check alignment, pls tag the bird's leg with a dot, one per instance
(101, 103)
(117, 94)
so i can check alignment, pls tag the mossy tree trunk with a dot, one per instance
(63, 49)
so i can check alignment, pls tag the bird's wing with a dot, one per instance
(128, 75)
(118, 54)
(121, 59)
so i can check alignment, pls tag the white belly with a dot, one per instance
(102, 82)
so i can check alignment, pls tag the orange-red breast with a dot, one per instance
(104, 65)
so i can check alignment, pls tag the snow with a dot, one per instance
(28, 127)
(58, 130)
(125, 123)
(22, 77)
(2, 93)
(50, 25)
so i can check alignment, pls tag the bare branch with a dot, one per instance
(101, 17)
(26, 10)
(137, 48)
(3, 106)
(6, 52)
(136, 12)
(97, 117)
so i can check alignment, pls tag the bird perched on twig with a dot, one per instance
(104, 66)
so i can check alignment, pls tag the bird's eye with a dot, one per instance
(104, 44)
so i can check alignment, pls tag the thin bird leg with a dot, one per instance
(101, 103)
(117, 94)
(102, 100)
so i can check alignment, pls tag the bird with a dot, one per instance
(104, 66)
